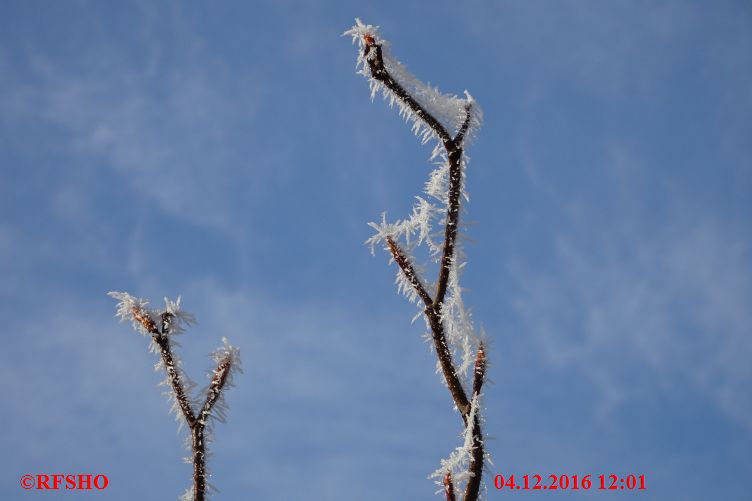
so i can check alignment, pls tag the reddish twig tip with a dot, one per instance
(144, 319)
(479, 373)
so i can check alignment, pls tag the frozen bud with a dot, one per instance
(480, 369)
(144, 319)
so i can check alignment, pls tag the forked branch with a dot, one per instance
(423, 105)
(171, 322)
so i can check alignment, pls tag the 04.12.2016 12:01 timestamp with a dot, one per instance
(571, 482)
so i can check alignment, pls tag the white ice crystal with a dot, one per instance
(127, 304)
(415, 230)
(227, 351)
(188, 385)
(458, 462)
(180, 318)
(457, 319)
(188, 494)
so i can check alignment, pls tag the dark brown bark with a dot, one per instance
(476, 463)
(452, 222)
(173, 373)
(380, 73)
(198, 447)
(407, 268)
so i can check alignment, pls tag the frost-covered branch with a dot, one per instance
(450, 121)
(172, 321)
(477, 454)
(381, 74)
(174, 376)
(479, 371)
(446, 364)
(409, 272)
(451, 223)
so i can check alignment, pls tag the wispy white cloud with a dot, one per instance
(637, 312)
(605, 50)
(172, 128)
(168, 145)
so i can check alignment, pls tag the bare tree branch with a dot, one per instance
(460, 137)
(436, 316)
(447, 365)
(476, 463)
(227, 361)
(407, 268)
(173, 373)
(450, 228)
(198, 447)
(478, 454)
(454, 157)
(437, 329)
(221, 373)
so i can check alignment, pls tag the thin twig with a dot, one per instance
(454, 157)
(380, 73)
(221, 373)
(198, 445)
(476, 462)
(407, 268)
(479, 370)
(173, 373)
(478, 455)
(460, 137)
(447, 365)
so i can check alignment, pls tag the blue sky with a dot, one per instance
(229, 153)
